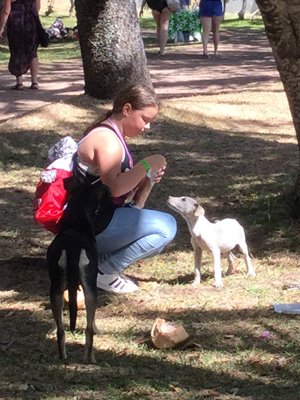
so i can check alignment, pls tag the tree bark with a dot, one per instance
(111, 46)
(282, 23)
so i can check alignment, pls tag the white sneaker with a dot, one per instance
(115, 283)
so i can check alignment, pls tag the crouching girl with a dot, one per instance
(125, 232)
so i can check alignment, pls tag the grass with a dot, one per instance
(69, 22)
(231, 21)
(227, 357)
(56, 51)
(243, 166)
(60, 51)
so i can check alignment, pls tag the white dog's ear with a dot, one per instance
(199, 211)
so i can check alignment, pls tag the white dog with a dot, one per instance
(219, 238)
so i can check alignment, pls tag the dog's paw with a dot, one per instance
(64, 360)
(90, 360)
(218, 284)
(196, 282)
(62, 354)
(230, 272)
(251, 273)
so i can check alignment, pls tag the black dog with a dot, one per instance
(73, 261)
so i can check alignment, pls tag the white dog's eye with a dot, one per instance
(183, 198)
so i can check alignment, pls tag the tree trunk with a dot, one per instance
(111, 46)
(282, 23)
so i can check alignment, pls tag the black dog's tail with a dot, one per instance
(73, 307)
(73, 285)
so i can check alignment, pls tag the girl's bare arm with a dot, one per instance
(105, 150)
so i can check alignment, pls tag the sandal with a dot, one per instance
(34, 86)
(18, 86)
(115, 283)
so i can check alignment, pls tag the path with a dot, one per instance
(245, 59)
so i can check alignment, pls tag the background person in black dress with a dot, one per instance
(161, 14)
(20, 19)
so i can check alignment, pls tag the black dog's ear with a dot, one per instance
(70, 183)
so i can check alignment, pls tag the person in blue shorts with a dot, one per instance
(211, 13)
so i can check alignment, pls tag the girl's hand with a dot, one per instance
(157, 176)
(156, 162)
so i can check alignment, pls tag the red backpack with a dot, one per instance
(51, 197)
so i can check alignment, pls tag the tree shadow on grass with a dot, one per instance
(231, 175)
(256, 366)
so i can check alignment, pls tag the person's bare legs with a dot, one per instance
(19, 80)
(206, 23)
(34, 69)
(164, 26)
(156, 17)
(19, 83)
(216, 21)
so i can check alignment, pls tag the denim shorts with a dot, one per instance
(210, 8)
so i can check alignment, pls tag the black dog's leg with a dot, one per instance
(57, 263)
(57, 304)
(88, 273)
(91, 305)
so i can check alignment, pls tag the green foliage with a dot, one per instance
(184, 21)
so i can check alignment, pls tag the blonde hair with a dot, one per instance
(137, 95)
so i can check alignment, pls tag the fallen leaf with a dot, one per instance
(197, 345)
(228, 336)
(196, 325)
(175, 388)
(10, 314)
(8, 344)
(23, 387)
